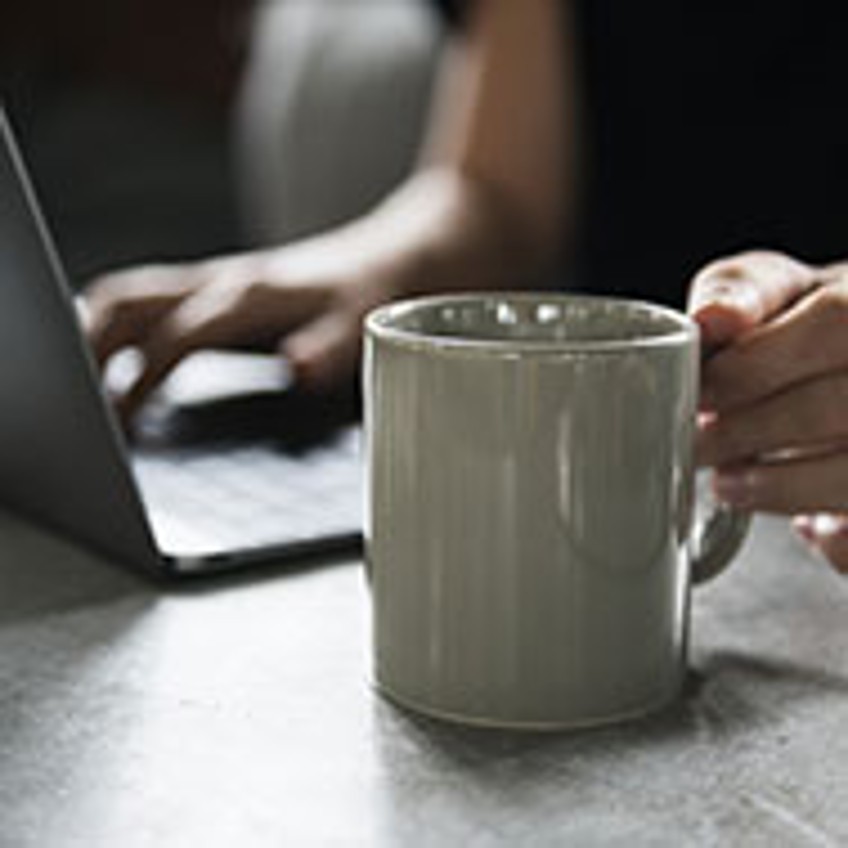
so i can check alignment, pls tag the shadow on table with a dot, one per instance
(42, 574)
(733, 692)
(637, 783)
(730, 695)
(654, 781)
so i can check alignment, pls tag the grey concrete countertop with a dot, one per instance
(240, 714)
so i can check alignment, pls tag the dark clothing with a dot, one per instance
(712, 127)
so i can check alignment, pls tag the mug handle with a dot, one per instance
(721, 535)
(717, 542)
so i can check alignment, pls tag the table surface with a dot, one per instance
(239, 712)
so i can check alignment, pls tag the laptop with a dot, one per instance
(219, 477)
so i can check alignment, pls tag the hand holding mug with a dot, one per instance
(775, 392)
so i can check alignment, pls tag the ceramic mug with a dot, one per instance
(530, 536)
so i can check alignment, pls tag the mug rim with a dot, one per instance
(381, 324)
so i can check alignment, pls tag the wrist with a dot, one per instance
(451, 232)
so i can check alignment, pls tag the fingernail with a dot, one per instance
(706, 418)
(825, 524)
(737, 488)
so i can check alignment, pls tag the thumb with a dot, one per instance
(733, 295)
(324, 351)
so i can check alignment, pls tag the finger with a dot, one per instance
(806, 341)
(806, 415)
(226, 312)
(125, 325)
(207, 318)
(828, 533)
(121, 308)
(816, 483)
(161, 354)
(324, 351)
(731, 296)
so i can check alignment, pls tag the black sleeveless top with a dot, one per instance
(713, 126)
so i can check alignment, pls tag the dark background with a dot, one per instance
(123, 108)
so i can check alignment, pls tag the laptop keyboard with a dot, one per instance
(252, 496)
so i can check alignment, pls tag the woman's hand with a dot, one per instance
(775, 390)
(308, 301)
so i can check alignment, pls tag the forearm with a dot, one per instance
(445, 231)
(487, 207)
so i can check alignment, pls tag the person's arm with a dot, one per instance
(775, 392)
(484, 209)
(503, 130)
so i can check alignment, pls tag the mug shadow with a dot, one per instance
(729, 694)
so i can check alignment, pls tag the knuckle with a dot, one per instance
(717, 286)
(754, 264)
(744, 262)
(233, 290)
(251, 291)
(720, 273)
(763, 259)
(115, 291)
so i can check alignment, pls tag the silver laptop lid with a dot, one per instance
(62, 458)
